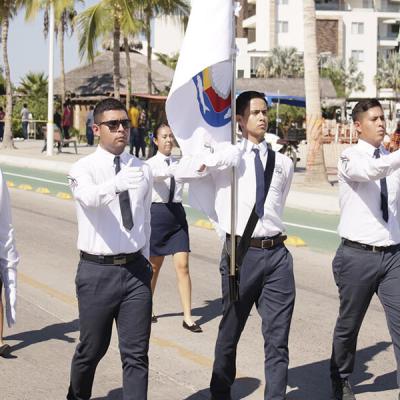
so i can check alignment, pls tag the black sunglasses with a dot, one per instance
(113, 124)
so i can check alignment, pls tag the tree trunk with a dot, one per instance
(8, 142)
(128, 72)
(116, 56)
(149, 51)
(315, 166)
(62, 62)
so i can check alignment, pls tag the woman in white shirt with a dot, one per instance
(169, 228)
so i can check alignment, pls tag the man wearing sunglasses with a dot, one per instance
(112, 191)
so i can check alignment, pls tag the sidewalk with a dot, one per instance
(318, 199)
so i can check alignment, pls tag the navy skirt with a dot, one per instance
(169, 229)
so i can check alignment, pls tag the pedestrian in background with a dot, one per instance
(112, 192)
(25, 120)
(368, 258)
(8, 264)
(67, 119)
(140, 144)
(169, 228)
(2, 116)
(57, 119)
(89, 127)
(134, 117)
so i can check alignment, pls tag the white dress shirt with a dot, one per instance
(162, 173)
(271, 223)
(8, 254)
(100, 226)
(359, 176)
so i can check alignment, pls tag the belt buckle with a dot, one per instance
(267, 243)
(119, 260)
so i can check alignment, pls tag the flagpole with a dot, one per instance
(233, 283)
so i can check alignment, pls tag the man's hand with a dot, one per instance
(227, 156)
(128, 178)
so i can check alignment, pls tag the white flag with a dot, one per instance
(199, 103)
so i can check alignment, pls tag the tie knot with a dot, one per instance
(256, 151)
(377, 153)
(167, 160)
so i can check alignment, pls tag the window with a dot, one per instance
(283, 2)
(240, 73)
(367, 4)
(357, 28)
(283, 26)
(357, 55)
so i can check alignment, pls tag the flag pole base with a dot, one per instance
(233, 289)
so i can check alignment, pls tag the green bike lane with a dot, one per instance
(315, 230)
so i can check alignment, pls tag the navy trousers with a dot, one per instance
(107, 293)
(358, 275)
(266, 280)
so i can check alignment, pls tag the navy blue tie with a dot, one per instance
(384, 193)
(260, 184)
(124, 200)
(171, 185)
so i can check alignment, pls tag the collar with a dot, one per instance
(249, 146)
(162, 156)
(109, 157)
(369, 149)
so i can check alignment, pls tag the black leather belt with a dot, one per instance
(118, 259)
(263, 243)
(368, 247)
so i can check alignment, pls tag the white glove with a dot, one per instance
(128, 178)
(228, 156)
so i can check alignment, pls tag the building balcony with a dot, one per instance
(387, 42)
(250, 22)
(331, 5)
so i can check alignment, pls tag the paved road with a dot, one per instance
(316, 230)
(45, 336)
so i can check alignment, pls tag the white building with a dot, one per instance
(362, 29)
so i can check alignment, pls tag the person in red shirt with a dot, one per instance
(67, 119)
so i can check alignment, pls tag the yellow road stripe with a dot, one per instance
(10, 184)
(70, 300)
(42, 190)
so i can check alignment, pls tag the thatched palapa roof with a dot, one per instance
(96, 79)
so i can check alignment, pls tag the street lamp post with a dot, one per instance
(50, 106)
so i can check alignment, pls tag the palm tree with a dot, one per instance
(101, 19)
(7, 11)
(169, 61)
(315, 166)
(33, 85)
(388, 73)
(152, 8)
(283, 62)
(345, 79)
(64, 14)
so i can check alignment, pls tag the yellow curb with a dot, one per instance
(25, 187)
(204, 223)
(10, 184)
(42, 190)
(295, 241)
(64, 196)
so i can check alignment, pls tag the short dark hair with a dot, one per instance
(25, 105)
(108, 104)
(362, 106)
(244, 98)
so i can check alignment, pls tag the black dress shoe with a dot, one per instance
(341, 389)
(192, 328)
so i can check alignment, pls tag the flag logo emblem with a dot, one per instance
(213, 86)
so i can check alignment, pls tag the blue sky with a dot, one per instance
(28, 49)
